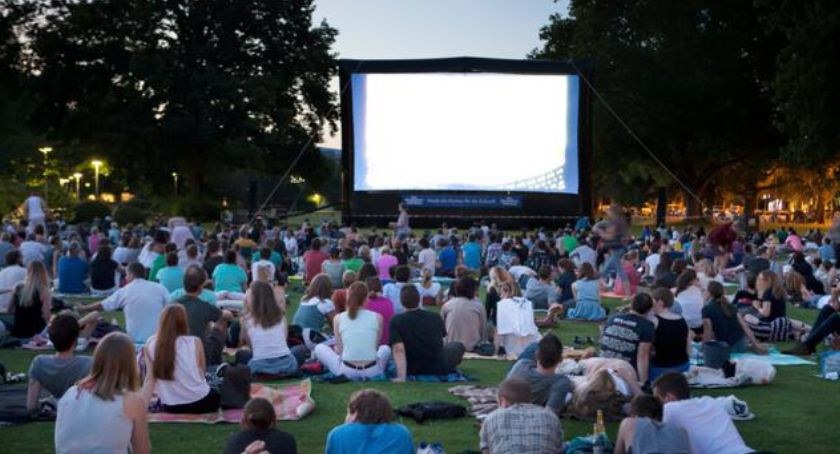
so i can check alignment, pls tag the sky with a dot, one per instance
(402, 29)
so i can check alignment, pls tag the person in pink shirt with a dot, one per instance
(793, 242)
(385, 262)
(312, 260)
(381, 305)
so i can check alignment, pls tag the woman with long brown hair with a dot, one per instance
(177, 363)
(769, 322)
(31, 302)
(316, 307)
(106, 411)
(264, 330)
(357, 333)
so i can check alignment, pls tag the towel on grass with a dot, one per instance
(291, 402)
(454, 377)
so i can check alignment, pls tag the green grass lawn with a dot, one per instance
(797, 413)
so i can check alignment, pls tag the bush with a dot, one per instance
(128, 214)
(88, 211)
(198, 209)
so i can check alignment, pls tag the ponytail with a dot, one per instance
(357, 294)
(715, 290)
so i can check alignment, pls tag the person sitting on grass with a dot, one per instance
(171, 276)
(464, 316)
(541, 290)
(826, 324)
(104, 412)
(369, 428)
(515, 325)
(431, 293)
(206, 322)
(586, 304)
(643, 432)
(160, 261)
(629, 336)
(31, 302)
(229, 279)
(518, 426)
(264, 330)
(259, 433)
(316, 308)
(672, 338)
(689, 300)
(103, 271)
(381, 305)
(416, 338)
(709, 427)
(56, 373)
(72, 271)
(723, 322)
(357, 334)
(391, 290)
(537, 367)
(339, 295)
(176, 360)
(141, 300)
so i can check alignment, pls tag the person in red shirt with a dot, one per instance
(312, 260)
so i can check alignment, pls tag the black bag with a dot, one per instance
(422, 411)
(235, 390)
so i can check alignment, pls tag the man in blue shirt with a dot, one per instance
(827, 251)
(472, 253)
(448, 258)
(72, 271)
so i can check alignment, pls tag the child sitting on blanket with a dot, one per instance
(258, 433)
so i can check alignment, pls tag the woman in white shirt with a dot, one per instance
(357, 332)
(264, 330)
(706, 273)
(689, 300)
(106, 411)
(430, 292)
(177, 361)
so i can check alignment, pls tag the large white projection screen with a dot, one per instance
(465, 132)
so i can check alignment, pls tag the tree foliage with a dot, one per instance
(690, 78)
(805, 85)
(157, 86)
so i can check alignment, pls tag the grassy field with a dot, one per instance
(797, 413)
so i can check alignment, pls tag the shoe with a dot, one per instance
(800, 349)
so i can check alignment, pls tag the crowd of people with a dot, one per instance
(188, 293)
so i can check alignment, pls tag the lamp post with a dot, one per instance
(78, 177)
(45, 151)
(175, 182)
(96, 165)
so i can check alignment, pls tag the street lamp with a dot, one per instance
(96, 165)
(45, 151)
(78, 177)
(175, 182)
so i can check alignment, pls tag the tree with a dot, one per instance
(690, 78)
(805, 86)
(157, 86)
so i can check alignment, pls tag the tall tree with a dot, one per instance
(806, 85)
(177, 85)
(690, 78)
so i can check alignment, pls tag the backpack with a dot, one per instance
(423, 411)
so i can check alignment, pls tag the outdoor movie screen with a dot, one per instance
(447, 131)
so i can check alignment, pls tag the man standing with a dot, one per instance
(36, 211)
(519, 426)
(141, 300)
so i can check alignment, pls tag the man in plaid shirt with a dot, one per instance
(519, 426)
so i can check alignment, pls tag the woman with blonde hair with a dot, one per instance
(357, 334)
(316, 308)
(177, 364)
(498, 276)
(607, 384)
(264, 330)
(104, 412)
(430, 291)
(31, 302)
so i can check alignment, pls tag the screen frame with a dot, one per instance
(358, 205)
